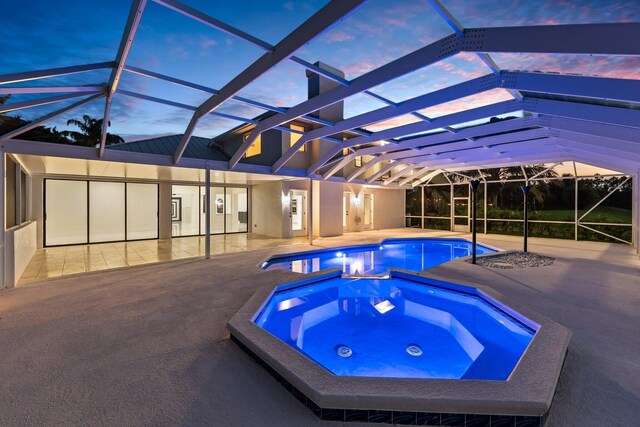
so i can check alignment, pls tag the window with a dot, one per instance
(357, 162)
(255, 148)
(294, 137)
(345, 151)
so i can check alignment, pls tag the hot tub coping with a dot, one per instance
(528, 391)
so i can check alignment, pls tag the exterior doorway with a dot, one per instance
(368, 212)
(298, 212)
(346, 207)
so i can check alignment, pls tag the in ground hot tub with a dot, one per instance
(398, 328)
(406, 349)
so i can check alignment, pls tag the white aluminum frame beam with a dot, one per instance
(414, 176)
(326, 17)
(129, 34)
(582, 86)
(388, 168)
(44, 101)
(576, 39)
(39, 121)
(425, 141)
(53, 72)
(402, 172)
(13, 90)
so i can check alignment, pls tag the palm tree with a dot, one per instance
(90, 132)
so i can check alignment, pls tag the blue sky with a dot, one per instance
(52, 34)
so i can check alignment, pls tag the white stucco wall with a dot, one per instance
(327, 208)
(21, 243)
(267, 210)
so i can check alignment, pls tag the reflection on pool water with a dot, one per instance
(398, 328)
(408, 254)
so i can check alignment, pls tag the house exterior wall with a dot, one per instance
(267, 218)
(327, 208)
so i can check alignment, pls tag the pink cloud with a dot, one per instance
(338, 36)
(467, 103)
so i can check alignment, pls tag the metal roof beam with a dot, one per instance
(53, 72)
(6, 90)
(43, 119)
(586, 39)
(408, 63)
(412, 128)
(129, 34)
(44, 101)
(461, 90)
(402, 172)
(382, 171)
(313, 27)
(414, 176)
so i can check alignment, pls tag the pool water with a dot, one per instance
(398, 328)
(408, 254)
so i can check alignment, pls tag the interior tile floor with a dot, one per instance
(66, 260)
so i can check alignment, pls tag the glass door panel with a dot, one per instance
(217, 210)
(66, 212)
(236, 210)
(368, 211)
(142, 211)
(106, 211)
(185, 210)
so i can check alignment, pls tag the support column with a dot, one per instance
(207, 220)
(525, 190)
(452, 208)
(474, 186)
(575, 201)
(422, 207)
(2, 221)
(310, 210)
(486, 223)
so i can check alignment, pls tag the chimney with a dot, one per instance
(318, 84)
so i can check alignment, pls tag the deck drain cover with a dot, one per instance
(344, 351)
(414, 350)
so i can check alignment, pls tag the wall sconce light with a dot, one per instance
(285, 199)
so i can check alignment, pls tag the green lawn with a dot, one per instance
(600, 214)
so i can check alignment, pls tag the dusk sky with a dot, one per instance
(45, 34)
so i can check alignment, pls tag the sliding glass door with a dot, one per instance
(80, 212)
(66, 212)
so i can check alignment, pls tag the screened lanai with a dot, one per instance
(403, 95)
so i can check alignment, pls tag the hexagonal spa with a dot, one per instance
(403, 343)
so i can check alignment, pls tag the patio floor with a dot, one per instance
(148, 345)
(66, 260)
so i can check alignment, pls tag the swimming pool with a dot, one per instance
(408, 254)
(398, 328)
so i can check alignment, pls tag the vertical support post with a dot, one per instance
(474, 186)
(453, 226)
(207, 220)
(525, 190)
(486, 224)
(3, 220)
(422, 207)
(577, 220)
(310, 215)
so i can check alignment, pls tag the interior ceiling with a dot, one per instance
(82, 168)
(553, 115)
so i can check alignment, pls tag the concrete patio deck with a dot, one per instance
(148, 345)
